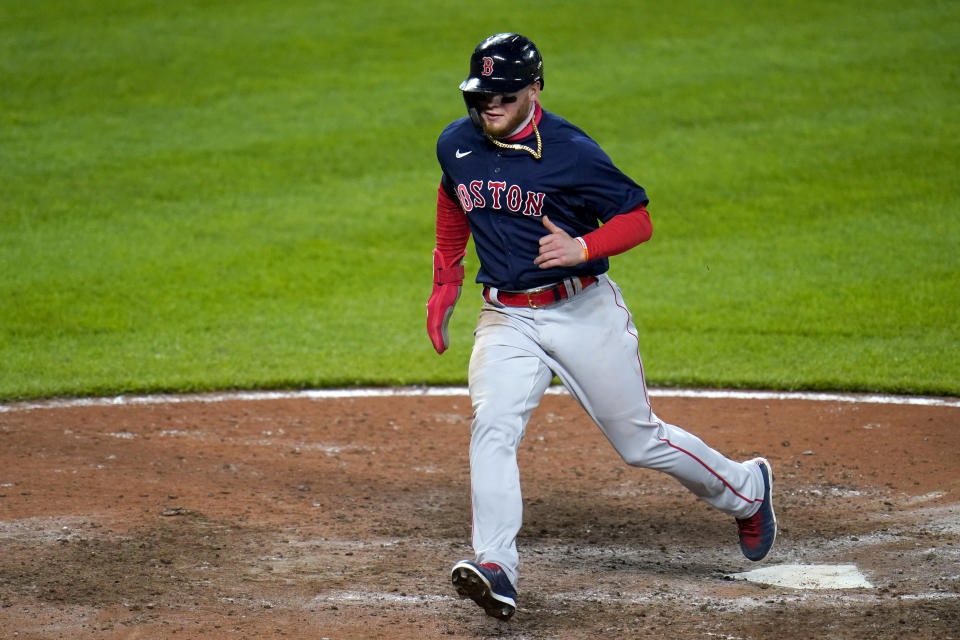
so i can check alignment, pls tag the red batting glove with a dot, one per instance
(447, 282)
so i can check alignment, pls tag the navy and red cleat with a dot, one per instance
(758, 532)
(487, 585)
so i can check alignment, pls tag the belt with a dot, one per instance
(537, 298)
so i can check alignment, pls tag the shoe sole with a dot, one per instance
(766, 465)
(470, 583)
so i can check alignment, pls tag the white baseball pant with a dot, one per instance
(590, 342)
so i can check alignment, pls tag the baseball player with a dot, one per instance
(546, 208)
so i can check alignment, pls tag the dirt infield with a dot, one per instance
(340, 518)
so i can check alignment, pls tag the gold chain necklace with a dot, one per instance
(522, 147)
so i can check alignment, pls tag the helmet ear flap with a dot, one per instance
(471, 99)
(475, 118)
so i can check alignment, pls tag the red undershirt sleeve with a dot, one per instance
(452, 228)
(622, 232)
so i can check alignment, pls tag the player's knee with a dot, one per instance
(496, 431)
(637, 445)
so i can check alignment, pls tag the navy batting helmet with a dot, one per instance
(503, 63)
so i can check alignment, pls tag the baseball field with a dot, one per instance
(205, 202)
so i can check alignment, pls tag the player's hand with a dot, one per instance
(447, 283)
(558, 249)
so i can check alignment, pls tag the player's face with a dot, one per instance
(502, 113)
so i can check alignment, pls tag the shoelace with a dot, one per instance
(751, 526)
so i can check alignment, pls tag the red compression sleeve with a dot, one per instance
(452, 228)
(624, 231)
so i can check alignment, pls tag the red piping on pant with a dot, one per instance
(643, 377)
(715, 474)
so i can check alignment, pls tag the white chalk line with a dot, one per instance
(562, 600)
(340, 394)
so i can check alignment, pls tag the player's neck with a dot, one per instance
(525, 129)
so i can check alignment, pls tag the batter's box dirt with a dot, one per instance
(340, 518)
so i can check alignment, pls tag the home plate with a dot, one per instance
(808, 576)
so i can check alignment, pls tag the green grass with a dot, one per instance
(214, 195)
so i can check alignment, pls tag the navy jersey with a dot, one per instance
(505, 193)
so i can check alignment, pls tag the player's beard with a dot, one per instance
(503, 127)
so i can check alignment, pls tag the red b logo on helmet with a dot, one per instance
(487, 66)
